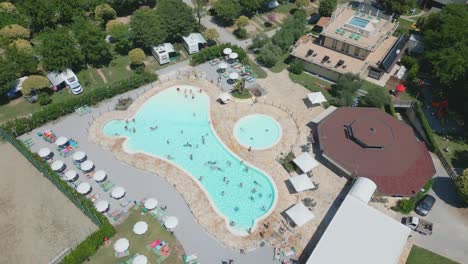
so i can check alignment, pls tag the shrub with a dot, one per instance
(136, 56)
(242, 22)
(462, 185)
(23, 46)
(215, 52)
(269, 54)
(52, 112)
(413, 72)
(287, 162)
(405, 206)
(259, 41)
(296, 67)
(7, 7)
(240, 33)
(112, 24)
(212, 33)
(267, 24)
(15, 32)
(376, 97)
(34, 82)
(44, 98)
(104, 12)
(431, 144)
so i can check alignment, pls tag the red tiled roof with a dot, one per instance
(394, 159)
(323, 22)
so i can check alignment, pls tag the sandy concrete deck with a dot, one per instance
(291, 113)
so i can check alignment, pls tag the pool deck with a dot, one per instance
(293, 116)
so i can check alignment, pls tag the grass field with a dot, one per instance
(457, 155)
(420, 255)
(257, 69)
(282, 63)
(312, 83)
(138, 243)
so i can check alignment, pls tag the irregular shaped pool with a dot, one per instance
(257, 131)
(175, 125)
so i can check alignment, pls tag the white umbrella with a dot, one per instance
(140, 228)
(83, 188)
(102, 206)
(71, 175)
(150, 203)
(100, 176)
(57, 165)
(227, 51)
(44, 152)
(87, 166)
(140, 259)
(223, 65)
(79, 156)
(118, 192)
(121, 245)
(233, 75)
(61, 141)
(233, 56)
(171, 222)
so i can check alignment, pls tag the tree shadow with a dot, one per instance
(460, 159)
(446, 191)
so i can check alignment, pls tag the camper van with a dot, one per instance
(194, 43)
(164, 53)
(63, 79)
(15, 91)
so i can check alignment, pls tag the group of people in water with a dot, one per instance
(189, 92)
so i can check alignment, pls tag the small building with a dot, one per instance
(194, 42)
(321, 24)
(415, 44)
(63, 79)
(164, 53)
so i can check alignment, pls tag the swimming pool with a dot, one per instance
(257, 131)
(175, 127)
(359, 22)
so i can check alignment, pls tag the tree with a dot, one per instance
(176, 18)
(375, 97)
(242, 22)
(147, 28)
(136, 56)
(227, 10)
(259, 41)
(104, 13)
(345, 88)
(67, 10)
(91, 40)
(253, 5)
(22, 46)
(22, 61)
(199, 10)
(34, 83)
(212, 33)
(302, 3)
(7, 7)
(268, 55)
(296, 67)
(291, 30)
(398, 7)
(113, 23)
(59, 50)
(121, 36)
(42, 14)
(327, 7)
(462, 184)
(12, 32)
(7, 76)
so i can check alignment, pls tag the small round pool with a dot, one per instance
(257, 131)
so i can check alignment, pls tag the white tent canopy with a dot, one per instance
(150, 203)
(300, 214)
(140, 228)
(102, 206)
(301, 183)
(100, 176)
(79, 156)
(87, 166)
(233, 55)
(233, 75)
(121, 245)
(223, 65)
(44, 152)
(363, 189)
(316, 98)
(61, 141)
(171, 222)
(71, 175)
(57, 165)
(118, 192)
(140, 259)
(224, 97)
(227, 51)
(83, 188)
(305, 162)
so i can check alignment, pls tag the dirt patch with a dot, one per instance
(37, 221)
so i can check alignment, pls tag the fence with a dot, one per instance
(451, 172)
(45, 171)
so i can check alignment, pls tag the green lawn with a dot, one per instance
(312, 83)
(257, 69)
(420, 255)
(282, 63)
(285, 8)
(105, 254)
(457, 155)
(404, 27)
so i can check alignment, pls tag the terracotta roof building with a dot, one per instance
(367, 142)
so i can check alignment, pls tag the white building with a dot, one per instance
(163, 53)
(65, 78)
(194, 43)
(360, 234)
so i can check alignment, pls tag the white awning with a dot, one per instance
(121, 245)
(150, 203)
(102, 206)
(79, 156)
(71, 175)
(227, 51)
(118, 192)
(140, 259)
(83, 188)
(233, 55)
(57, 165)
(300, 214)
(140, 228)
(301, 183)
(44, 152)
(363, 189)
(87, 166)
(305, 162)
(224, 97)
(171, 222)
(316, 98)
(233, 75)
(100, 176)
(61, 141)
(223, 65)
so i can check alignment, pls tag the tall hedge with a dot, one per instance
(432, 144)
(215, 52)
(52, 112)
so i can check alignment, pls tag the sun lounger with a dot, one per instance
(124, 202)
(109, 186)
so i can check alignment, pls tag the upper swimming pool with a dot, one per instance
(257, 131)
(359, 22)
(175, 125)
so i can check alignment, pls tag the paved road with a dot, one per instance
(450, 218)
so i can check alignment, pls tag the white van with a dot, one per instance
(65, 78)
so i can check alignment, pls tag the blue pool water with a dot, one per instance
(257, 131)
(172, 125)
(359, 22)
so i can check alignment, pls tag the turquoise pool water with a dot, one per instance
(359, 22)
(173, 126)
(257, 131)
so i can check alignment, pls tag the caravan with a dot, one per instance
(65, 78)
(164, 53)
(194, 43)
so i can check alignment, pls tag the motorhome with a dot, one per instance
(63, 79)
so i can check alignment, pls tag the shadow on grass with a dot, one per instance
(446, 191)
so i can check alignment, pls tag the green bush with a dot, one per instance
(405, 206)
(431, 144)
(267, 24)
(391, 110)
(296, 67)
(287, 162)
(215, 52)
(136, 56)
(240, 33)
(44, 98)
(461, 182)
(52, 112)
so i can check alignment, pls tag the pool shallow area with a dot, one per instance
(257, 131)
(359, 22)
(175, 126)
